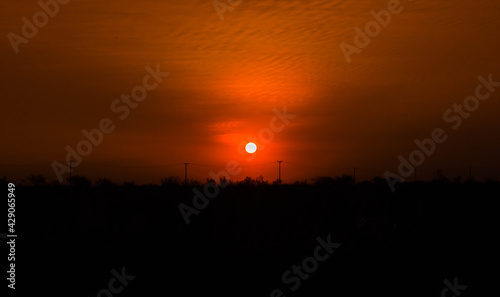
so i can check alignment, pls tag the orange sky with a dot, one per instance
(226, 77)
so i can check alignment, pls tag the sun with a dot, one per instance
(251, 147)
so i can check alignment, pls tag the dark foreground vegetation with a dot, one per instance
(242, 242)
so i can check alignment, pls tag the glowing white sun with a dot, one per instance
(251, 147)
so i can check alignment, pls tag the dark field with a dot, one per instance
(246, 238)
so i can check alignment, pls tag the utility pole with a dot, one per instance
(185, 173)
(279, 171)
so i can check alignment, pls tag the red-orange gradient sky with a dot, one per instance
(226, 77)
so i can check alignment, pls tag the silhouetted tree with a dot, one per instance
(277, 182)
(259, 181)
(129, 184)
(323, 181)
(492, 182)
(344, 180)
(379, 181)
(439, 177)
(105, 183)
(37, 179)
(170, 181)
(248, 181)
(300, 183)
(80, 182)
(223, 181)
(194, 182)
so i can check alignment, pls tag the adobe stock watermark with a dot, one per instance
(40, 19)
(455, 288)
(122, 107)
(455, 116)
(116, 284)
(221, 7)
(372, 29)
(277, 124)
(298, 273)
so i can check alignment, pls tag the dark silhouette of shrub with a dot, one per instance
(80, 182)
(36, 179)
(105, 183)
(344, 180)
(323, 181)
(170, 181)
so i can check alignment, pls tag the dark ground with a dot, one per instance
(392, 244)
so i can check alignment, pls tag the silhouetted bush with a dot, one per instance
(36, 180)
(170, 181)
(440, 178)
(323, 181)
(105, 183)
(80, 182)
(344, 180)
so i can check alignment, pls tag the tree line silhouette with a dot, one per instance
(80, 181)
(253, 231)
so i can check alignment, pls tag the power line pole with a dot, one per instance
(185, 173)
(279, 171)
